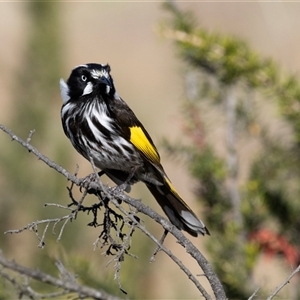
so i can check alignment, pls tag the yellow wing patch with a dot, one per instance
(140, 140)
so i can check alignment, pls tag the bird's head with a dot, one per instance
(86, 80)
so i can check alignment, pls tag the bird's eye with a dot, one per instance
(83, 78)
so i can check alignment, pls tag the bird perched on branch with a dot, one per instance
(102, 127)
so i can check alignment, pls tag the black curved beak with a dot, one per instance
(104, 81)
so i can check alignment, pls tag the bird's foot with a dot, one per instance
(119, 188)
(87, 182)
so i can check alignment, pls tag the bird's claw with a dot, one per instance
(119, 188)
(87, 181)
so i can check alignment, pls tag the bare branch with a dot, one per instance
(183, 241)
(66, 283)
(115, 197)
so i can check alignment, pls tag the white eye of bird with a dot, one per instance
(83, 78)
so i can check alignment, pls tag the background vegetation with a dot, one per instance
(250, 211)
(240, 120)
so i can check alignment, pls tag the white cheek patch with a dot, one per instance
(64, 91)
(88, 89)
(107, 89)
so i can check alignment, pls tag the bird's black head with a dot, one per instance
(87, 80)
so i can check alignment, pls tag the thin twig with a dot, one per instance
(254, 294)
(33, 227)
(277, 290)
(161, 241)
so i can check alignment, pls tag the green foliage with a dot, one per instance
(4, 291)
(277, 179)
(237, 207)
(226, 57)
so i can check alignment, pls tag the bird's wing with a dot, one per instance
(140, 138)
(134, 131)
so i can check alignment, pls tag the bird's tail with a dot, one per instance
(176, 209)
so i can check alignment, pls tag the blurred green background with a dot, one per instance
(40, 43)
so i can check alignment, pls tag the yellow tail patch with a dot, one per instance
(172, 187)
(140, 140)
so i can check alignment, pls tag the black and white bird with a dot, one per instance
(101, 126)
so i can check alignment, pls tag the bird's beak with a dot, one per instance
(105, 81)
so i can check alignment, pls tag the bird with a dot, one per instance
(104, 129)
